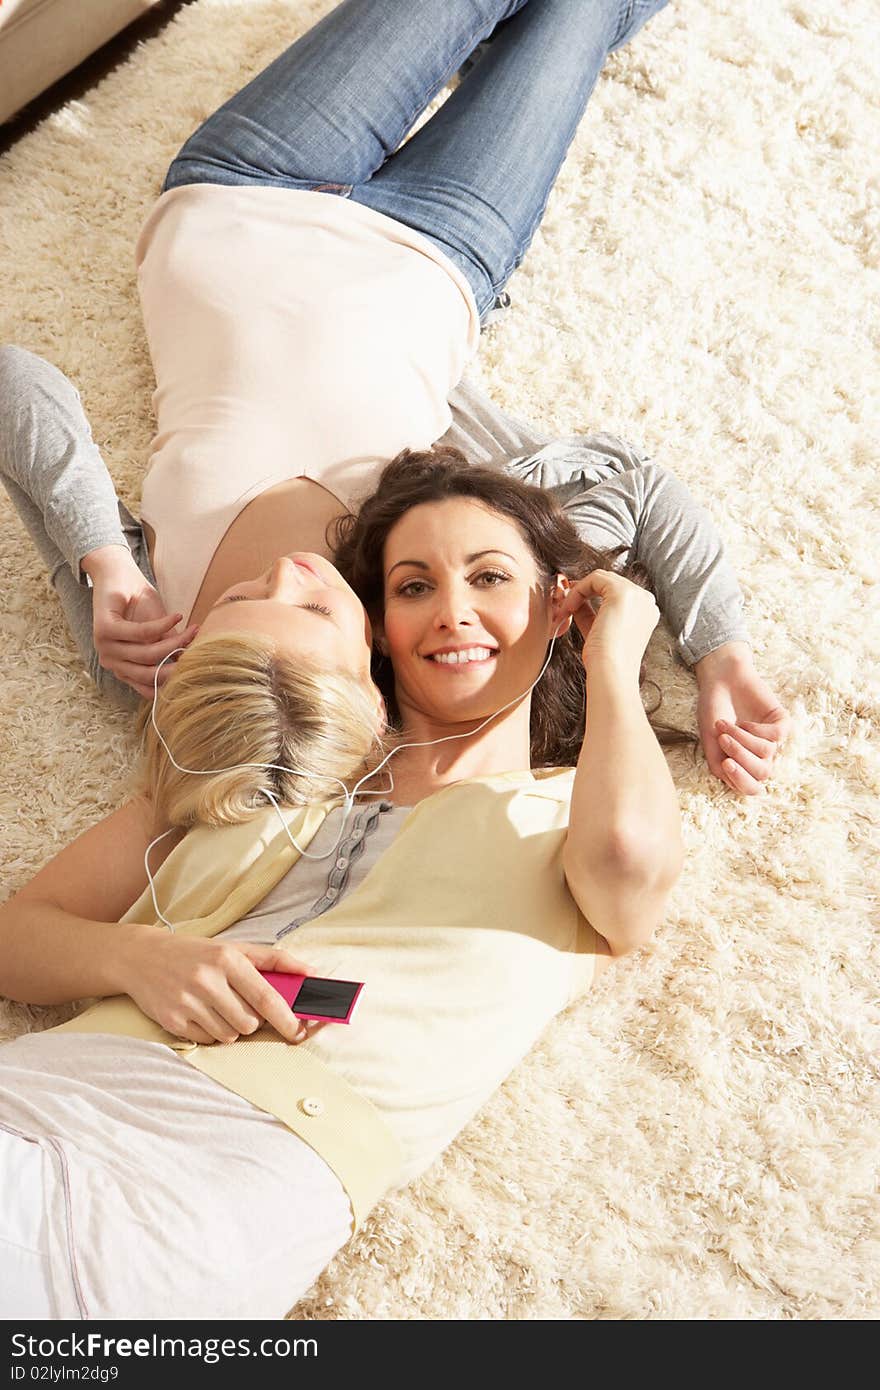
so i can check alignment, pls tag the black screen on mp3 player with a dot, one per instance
(332, 998)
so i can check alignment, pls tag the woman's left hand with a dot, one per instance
(742, 723)
(614, 616)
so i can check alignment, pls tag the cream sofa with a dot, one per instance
(43, 40)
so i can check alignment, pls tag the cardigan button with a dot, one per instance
(312, 1105)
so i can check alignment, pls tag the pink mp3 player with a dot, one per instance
(312, 996)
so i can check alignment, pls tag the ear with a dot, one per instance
(379, 639)
(558, 592)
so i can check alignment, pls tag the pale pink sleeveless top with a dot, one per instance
(292, 334)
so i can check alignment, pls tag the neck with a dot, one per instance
(502, 746)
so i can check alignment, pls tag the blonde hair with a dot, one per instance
(237, 699)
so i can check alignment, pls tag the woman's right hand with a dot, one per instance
(131, 629)
(208, 991)
(619, 631)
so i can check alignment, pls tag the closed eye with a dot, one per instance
(306, 607)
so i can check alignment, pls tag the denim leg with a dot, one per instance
(340, 99)
(477, 176)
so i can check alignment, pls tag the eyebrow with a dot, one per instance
(468, 559)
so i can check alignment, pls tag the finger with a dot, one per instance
(739, 780)
(312, 1026)
(213, 1022)
(268, 1003)
(573, 600)
(583, 620)
(761, 747)
(136, 674)
(755, 766)
(776, 729)
(193, 1033)
(132, 674)
(145, 654)
(715, 758)
(586, 593)
(273, 958)
(238, 1013)
(149, 631)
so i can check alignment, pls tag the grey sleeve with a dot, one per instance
(50, 465)
(615, 497)
(486, 434)
(60, 487)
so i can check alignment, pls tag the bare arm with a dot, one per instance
(60, 935)
(623, 852)
(61, 940)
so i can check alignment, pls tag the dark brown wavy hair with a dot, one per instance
(434, 475)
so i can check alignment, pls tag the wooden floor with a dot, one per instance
(89, 72)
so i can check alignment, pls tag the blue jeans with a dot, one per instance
(330, 114)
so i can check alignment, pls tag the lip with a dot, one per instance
(304, 565)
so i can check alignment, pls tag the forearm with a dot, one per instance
(624, 848)
(723, 660)
(109, 561)
(50, 956)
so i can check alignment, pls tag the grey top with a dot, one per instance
(56, 477)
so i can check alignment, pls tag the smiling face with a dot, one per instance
(305, 605)
(467, 615)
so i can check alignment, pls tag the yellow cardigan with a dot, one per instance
(472, 884)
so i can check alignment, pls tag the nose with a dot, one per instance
(453, 607)
(283, 578)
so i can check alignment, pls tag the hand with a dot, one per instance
(132, 631)
(209, 991)
(621, 628)
(742, 723)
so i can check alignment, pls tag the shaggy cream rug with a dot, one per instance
(699, 1139)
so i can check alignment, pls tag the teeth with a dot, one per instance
(459, 658)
